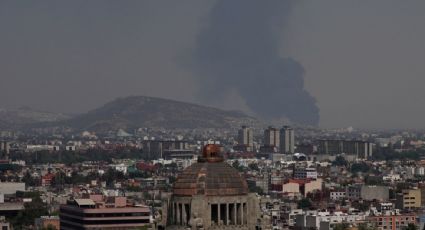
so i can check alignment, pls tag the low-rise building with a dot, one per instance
(103, 213)
(10, 188)
(47, 222)
(338, 194)
(392, 221)
(374, 192)
(326, 220)
(305, 173)
(301, 186)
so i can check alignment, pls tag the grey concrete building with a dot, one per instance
(10, 188)
(369, 192)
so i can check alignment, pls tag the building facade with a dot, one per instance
(246, 138)
(271, 137)
(287, 140)
(211, 194)
(361, 149)
(409, 199)
(103, 213)
(392, 222)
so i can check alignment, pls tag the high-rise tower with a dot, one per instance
(271, 137)
(246, 137)
(287, 140)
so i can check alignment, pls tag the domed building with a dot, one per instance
(211, 194)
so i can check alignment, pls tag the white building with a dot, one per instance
(420, 171)
(326, 220)
(391, 177)
(305, 173)
(120, 168)
(338, 195)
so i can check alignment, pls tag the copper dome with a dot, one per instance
(210, 179)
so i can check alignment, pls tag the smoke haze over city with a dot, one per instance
(360, 62)
(239, 51)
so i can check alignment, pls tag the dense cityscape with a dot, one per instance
(271, 178)
(212, 115)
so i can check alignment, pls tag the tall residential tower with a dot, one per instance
(271, 137)
(246, 137)
(287, 140)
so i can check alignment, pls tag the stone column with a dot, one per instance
(235, 208)
(184, 214)
(178, 214)
(245, 210)
(219, 213)
(241, 213)
(227, 214)
(175, 213)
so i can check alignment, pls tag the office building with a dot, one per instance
(287, 140)
(271, 137)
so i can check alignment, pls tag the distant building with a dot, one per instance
(361, 149)
(354, 191)
(155, 149)
(10, 188)
(305, 173)
(47, 179)
(302, 186)
(4, 149)
(409, 199)
(393, 221)
(372, 192)
(103, 213)
(338, 195)
(287, 140)
(305, 148)
(326, 220)
(178, 154)
(385, 207)
(246, 138)
(271, 137)
(45, 222)
(4, 225)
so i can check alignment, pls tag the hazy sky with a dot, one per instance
(364, 61)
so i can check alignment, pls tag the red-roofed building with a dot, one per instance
(47, 179)
(146, 167)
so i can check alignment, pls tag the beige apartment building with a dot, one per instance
(409, 199)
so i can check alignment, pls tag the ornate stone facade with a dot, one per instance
(211, 195)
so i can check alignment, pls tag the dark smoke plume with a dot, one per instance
(238, 51)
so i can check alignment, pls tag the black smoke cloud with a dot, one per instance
(238, 51)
